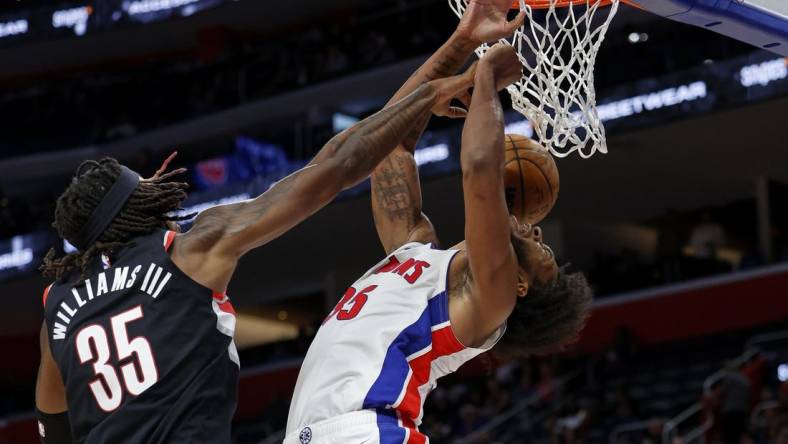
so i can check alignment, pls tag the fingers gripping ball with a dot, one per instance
(530, 178)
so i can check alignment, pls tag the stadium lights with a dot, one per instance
(431, 154)
(522, 127)
(341, 122)
(637, 37)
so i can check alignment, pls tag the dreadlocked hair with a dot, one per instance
(147, 209)
(551, 316)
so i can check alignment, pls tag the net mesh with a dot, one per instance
(557, 46)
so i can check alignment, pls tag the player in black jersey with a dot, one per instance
(137, 341)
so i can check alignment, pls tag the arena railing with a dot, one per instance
(758, 416)
(671, 427)
(752, 347)
(500, 420)
(717, 376)
(626, 428)
(758, 341)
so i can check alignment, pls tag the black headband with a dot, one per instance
(107, 209)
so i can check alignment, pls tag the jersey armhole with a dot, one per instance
(169, 236)
(46, 295)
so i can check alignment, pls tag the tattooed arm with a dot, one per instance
(220, 235)
(396, 191)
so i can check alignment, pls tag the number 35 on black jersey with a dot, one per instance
(146, 354)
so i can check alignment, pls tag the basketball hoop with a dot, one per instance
(556, 94)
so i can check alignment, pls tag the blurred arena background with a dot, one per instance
(682, 227)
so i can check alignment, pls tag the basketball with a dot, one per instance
(530, 179)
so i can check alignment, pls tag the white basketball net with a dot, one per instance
(556, 93)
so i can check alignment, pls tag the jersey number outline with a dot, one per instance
(137, 376)
(351, 304)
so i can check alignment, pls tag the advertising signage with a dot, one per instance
(85, 17)
(149, 11)
(23, 253)
(709, 87)
(14, 27)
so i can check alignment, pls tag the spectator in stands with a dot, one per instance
(779, 433)
(755, 372)
(781, 436)
(668, 249)
(622, 414)
(548, 384)
(470, 421)
(654, 432)
(622, 355)
(439, 417)
(498, 399)
(525, 388)
(336, 61)
(706, 238)
(782, 401)
(734, 406)
(780, 243)
(569, 427)
(751, 256)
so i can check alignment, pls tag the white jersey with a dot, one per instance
(383, 347)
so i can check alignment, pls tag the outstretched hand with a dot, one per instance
(455, 87)
(504, 64)
(486, 21)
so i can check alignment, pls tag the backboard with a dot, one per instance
(761, 23)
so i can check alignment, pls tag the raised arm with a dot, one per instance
(396, 191)
(210, 250)
(490, 255)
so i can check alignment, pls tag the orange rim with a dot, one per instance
(544, 4)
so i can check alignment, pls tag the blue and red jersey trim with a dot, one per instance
(406, 367)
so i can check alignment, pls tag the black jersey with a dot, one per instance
(146, 354)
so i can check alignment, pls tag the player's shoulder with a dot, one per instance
(156, 242)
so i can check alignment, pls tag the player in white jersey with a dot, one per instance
(422, 312)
